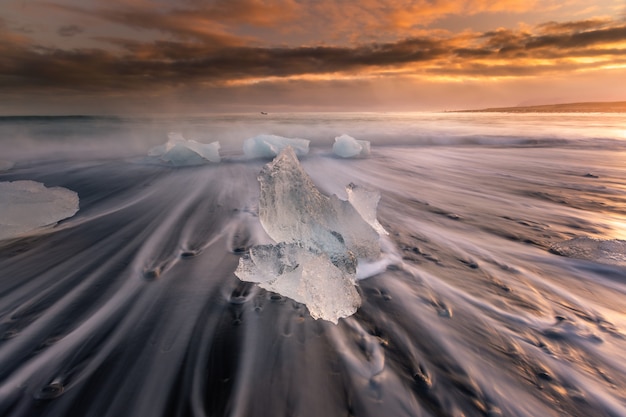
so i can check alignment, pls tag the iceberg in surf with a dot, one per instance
(346, 146)
(27, 205)
(320, 240)
(268, 146)
(179, 151)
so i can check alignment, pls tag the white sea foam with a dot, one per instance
(320, 239)
(603, 251)
(179, 151)
(268, 146)
(348, 147)
(27, 205)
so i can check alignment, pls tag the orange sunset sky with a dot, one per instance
(197, 56)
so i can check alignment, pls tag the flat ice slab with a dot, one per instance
(268, 146)
(179, 151)
(346, 146)
(27, 205)
(320, 240)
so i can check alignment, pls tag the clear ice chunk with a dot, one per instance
(304, 276)
(292, 209)
(365, 201)
(179, 151)
(27, 205)
(268, 146)
(320, 240)
(346, 146)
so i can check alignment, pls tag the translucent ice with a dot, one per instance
(179, 151)
(292, 209)
(27, 205)
(348, 147)
(304, 276)
(268, 146)
(320, 240)
(603, 251)
(365, 201)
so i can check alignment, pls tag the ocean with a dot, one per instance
(504, 293)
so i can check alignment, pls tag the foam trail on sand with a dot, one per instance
(27, 205)
(320, 238)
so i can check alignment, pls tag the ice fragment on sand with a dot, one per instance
(304, 276)
(603, 251)
(365, 201)
(268, 146)
(348, 147)
(27, 205)
(320, 241)
(179, 151)
(5, 165)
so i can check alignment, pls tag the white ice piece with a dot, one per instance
(268, 146)
(27, 205)
(179, 151)
(348, 147)
(320, 240)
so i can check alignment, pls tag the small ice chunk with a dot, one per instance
(27, 205)
(365, 201)
(268, 146)
(5, 165)
(603, 251)
(347, 147)
(304, 276)
(179, 151)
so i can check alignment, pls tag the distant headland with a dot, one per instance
(587, 107)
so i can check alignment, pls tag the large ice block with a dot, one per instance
(320, 240)
(292, 209)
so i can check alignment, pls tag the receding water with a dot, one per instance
(131, 307)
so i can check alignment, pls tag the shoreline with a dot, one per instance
(586, 107)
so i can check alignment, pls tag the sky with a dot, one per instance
(202, 56)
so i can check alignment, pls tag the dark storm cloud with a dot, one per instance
(577, 26)
(183, 63)
(510, 44)
(70, 30)
(176, 63)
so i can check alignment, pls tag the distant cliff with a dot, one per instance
(589, 107)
